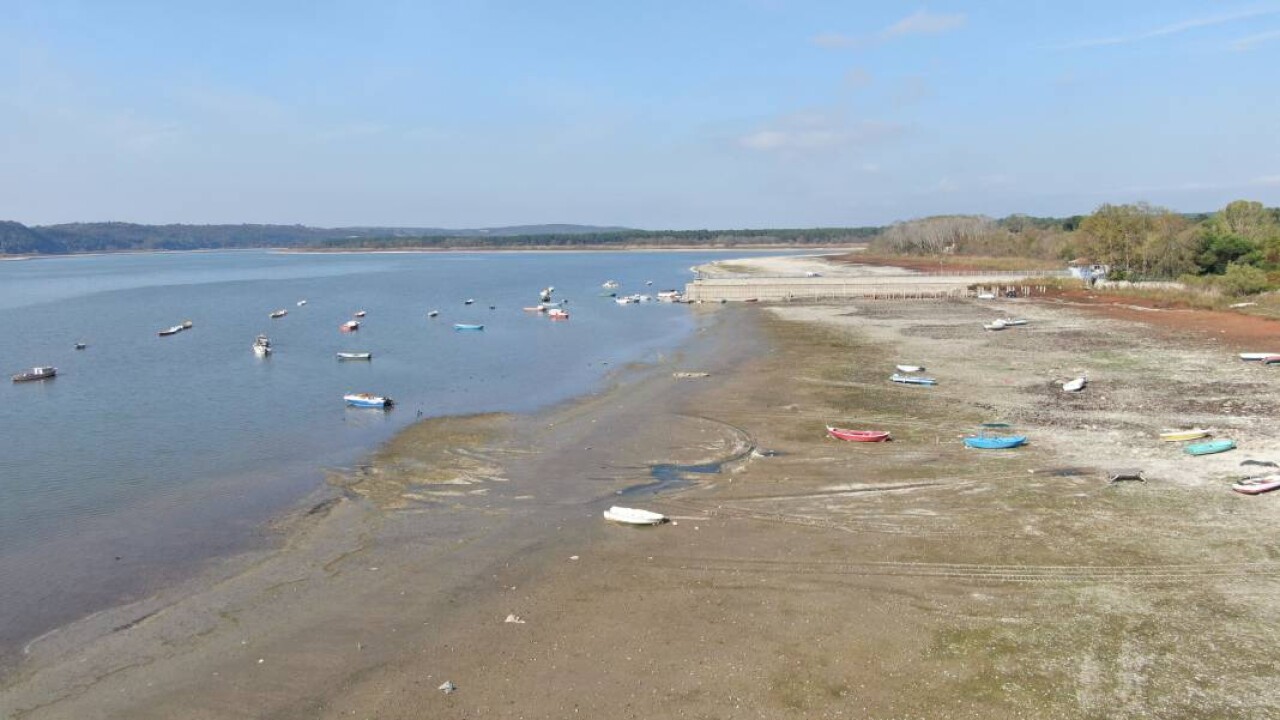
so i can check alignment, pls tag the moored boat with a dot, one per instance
(912, 379)
(469, 301)
(1182, 435)
(81, 345)
(36, 373)
(467, 326)
(433, 313)
(360, 313)
(350, 326)
(355, 356)
(1257, 485)
(367, 400)
(279, 314)
(1212, 447)
(301, 303)
(262, 346)
(171, 331)
(634, 516)
(858, 435)
(557, 314)
(610, 285)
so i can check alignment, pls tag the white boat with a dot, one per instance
(350, 326)
(262, 346)
(912, 379)
(469, 301)
(171, 331)
(910, 368)
(557, 314)
(355, 356)
(36, 373)
(1075, 385)
(279, 314)
(301, 303)
(367, 400)
(648, 282)
(434, 313)
(610, 285)
(986, 296)
(634, 516)
(1256, 356)
(360, 313)
(1010, 322)
(624, 300)
(995, 325)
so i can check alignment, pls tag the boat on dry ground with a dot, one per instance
(1257, 485)
(1183, 435)
(858, 435)
(634, 516)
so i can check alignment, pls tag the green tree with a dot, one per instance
(1243, 280)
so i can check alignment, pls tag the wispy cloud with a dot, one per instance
(921, 22)
(1172, 29)
(857, 78)
(1249, 43)
(804, 132)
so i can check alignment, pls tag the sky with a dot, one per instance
(650, 114)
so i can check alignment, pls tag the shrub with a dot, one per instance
(1243, 280)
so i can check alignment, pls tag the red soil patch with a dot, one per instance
(1249, 332)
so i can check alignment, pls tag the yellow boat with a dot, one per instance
(1180, 435)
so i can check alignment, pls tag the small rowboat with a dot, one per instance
(301, 303)
(1181, 435)
(81, 345)
(367, 400)
(994, 442)
(912, 379)
(1271, 360)
(1012, 322)
(858, 435)
(1210, 448)
(633, 516)
(995, 325)
(910, 368)
(171, 331)
(279, 314)
(1257, 356)
(350, 326)
(462, 327)
(1075, 385)
(360, 313)
(1257, 485)
(433, 313)
(469, 301)
(355, 356)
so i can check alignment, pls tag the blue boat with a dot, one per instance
(912, 379)
(465, 326)
(1209, 448)
(995, 442)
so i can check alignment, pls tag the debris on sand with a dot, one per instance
(513, 618)
(689, 375)
(448, 687)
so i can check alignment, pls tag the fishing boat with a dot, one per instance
(433, 313)
(468, 301)
(912, 379)
(1075, 385)
(634, 516)
(610, 285)
(81, 346)
(910, 368)
(995, 442)
(557, 314)
(1212, 447)
(466, 326)
(1257, 485)
(367, 400)
(1256, 356)
(995, 325)
(858, 435)
(1183, 435)
(355, 356)
(171, 331)
(279, 314)
(35, 373)
(262, 346)
(350, 326)
(360, 313)
(301, 303)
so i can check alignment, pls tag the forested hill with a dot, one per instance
(18, 239)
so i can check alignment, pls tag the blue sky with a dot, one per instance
(712, 113)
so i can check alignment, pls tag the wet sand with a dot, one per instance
(899, 580)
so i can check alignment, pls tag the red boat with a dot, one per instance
(1257, 486)
(1271, 360)
(858, 435)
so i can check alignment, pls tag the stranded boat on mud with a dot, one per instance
(986, 440)
(912, 379)
(1257, 485)
(35, 373)
(633, 516)
(858, 435)
(1182, 435)
(1212, 447)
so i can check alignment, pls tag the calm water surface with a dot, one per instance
(148, 454)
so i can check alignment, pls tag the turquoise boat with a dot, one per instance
(1209, 448)
(995, 442)
(465, 326)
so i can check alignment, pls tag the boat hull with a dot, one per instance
(912, 380)
(367, 401)
(633, 516)
(858, 435)
(1257, 486)
(995, 443)
(1183, 435)
(1210, 448)
(467, 328)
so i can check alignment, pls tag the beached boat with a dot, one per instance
(858, 435)
(1209, 448)
(1013, 322)
(995, 325)
(350, 326)
(995, 442)
(912, 379)
(1183, 435)
(1075, 385)
(279, 314)
(367, 400)
(1257, 485)
(262, 346)
(467, 326)
(1256, 356)
(910, 368)
(35, 373)
(986, 296)
(355, 356)
(171, 331)
(433, 313)
(1271, 360)
(557, 314)
(360, 313)
(634, 516)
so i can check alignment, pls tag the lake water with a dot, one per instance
(147, 454)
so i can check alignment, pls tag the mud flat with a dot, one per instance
(806, 578)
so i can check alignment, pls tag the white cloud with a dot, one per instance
(1249, 43)
(923, 22)
(1165, 30)
(816, 131)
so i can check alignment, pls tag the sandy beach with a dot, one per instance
(800, 577)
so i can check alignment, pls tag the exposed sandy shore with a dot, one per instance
(911, 579)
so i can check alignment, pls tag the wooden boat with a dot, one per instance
(467, 326)
(912, 379)
(350, 326)
(35, 373)
(355, 356)
(995, 325)
(279, 314)
(1256, 356)
(1183, 435)
(1209, 448)
(910, 368)
(995, 442)
(1257, 485)
(367, 400)
(360, 313)
(433, 313)
(858, 435)
(170, 331)
(262, 346)
(1075, 385)
(634, 516)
